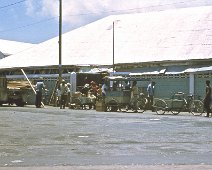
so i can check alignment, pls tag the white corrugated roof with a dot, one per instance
(180, 34)
(1, 55)
(13, 47)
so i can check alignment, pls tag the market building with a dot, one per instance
(172, 47)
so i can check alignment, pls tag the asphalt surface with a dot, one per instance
(51, 138)
(116, 167)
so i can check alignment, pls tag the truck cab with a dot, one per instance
(3, 90)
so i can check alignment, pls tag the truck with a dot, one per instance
(10, 93)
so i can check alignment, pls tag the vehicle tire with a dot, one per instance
(192, 108)
(90, 106)
(160, 106)
(78, 103)
(20, 104)
(176, 111)
(112, 106)
(142, 105)
(178, 105)
(197, 108)
(122, 108)
(87, 106)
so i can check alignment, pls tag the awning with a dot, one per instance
(198, 69)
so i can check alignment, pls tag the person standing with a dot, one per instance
(207, 98)
(39, 87)
(69, 94)
(105, 88)
(134, 96)
(93, 88)
(64, 94)
(99, 93)
(58, 97)
(126, 85)
(150, 92)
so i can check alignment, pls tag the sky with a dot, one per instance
(35, 21)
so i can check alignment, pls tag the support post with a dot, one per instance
(60, 40)
(191, 83)
(113, 49)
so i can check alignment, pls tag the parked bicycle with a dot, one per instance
(179, 103)
(194, 106)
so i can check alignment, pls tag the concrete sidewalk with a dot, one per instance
(116, 167)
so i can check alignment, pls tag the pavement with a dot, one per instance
(116, 167)
(64, 139)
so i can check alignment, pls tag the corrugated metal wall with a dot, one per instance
(200, 85)
(167, 85)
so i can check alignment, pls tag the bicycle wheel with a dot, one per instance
(176, 111)
(177, 106)
(160, 106)
(142, 105)
(197, 108)
(78, 103)
(112, 106)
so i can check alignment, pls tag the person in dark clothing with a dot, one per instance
(64, 93)
(151, 92)
(39, 90)
(207, 98)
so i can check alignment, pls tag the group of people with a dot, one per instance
(134, 92)
(91, 89)
(63, 93)
(135, 95)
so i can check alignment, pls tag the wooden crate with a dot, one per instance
(100, 106)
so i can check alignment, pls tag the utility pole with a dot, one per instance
(113, 50)
(60, 40)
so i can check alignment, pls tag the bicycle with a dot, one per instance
(141, 104)
(160, 106)
(179, 103)
(194, 106)
(173, 104)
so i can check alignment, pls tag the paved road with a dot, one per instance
(116, 167)
(52, 137)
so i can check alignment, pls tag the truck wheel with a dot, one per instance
(112, 106)
(20, 104)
